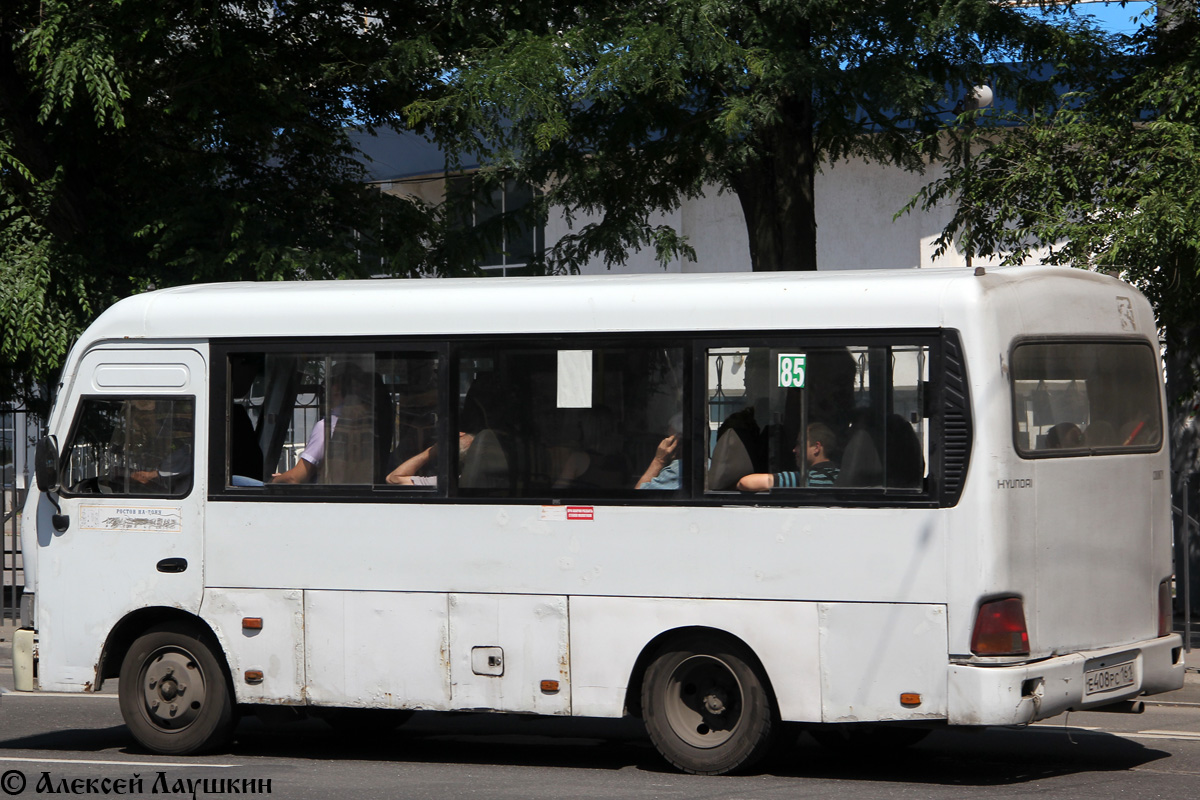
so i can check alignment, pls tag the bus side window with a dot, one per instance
(131, 446)
(328, 419)
(570, 421)
(799, 417)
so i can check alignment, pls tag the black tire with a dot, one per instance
(174, 693)
(865, 737)
(707, 707)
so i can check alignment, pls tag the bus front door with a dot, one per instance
(130, 530)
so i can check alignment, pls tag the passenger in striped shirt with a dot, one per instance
(822, 471)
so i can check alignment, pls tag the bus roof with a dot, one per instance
(900, 298)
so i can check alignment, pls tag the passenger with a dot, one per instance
(1064, 435)
(822, 471)
(664, 471)
(349, 387)
(409, 473)
(156, 448)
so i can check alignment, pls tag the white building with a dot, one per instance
(857, 203)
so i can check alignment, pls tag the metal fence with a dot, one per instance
(1187, 563)
(19, 430)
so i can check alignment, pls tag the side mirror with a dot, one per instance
(46, 464)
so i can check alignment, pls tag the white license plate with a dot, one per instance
(1109, 679)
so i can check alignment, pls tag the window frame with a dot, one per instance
(584, 341)
(114, 396)
(930, 495)
(695, 346)
(219, 452)
(1085, 451)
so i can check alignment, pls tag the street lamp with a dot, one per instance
(980, 96)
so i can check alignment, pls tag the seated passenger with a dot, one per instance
(664, 470)
(414, 471)
(155, 448)
(822, 471)
(350, 388)
(1064, 435)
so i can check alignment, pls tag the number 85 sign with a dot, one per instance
(791, 370)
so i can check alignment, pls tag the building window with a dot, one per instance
(492, 210)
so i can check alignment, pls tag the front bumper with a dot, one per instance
(25, 660)
(1024, 693)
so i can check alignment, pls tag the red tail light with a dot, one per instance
(1000, 629)
(1166, 617)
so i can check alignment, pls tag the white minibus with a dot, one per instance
(870, 503)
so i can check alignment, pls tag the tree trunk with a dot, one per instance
(776, 190)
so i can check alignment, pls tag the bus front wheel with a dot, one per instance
(707, 707)
(174, 695)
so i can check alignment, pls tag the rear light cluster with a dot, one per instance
(1000, 629)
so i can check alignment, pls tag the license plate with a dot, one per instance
(1109, 679)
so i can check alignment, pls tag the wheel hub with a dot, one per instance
(703, 704)
(173, 689)
(714, 702)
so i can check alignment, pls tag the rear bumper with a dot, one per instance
(1024, 693)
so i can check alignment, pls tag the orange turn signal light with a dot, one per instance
(252, 623)
(254, 676)
(910, 699)
(549, 687)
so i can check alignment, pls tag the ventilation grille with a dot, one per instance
(956, 422)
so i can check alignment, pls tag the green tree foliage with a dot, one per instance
(147, 143)
(627, 108)
(1103, 179)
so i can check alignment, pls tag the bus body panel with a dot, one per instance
(609, 633)
(621, 551)
(275, 647)
(1035, 544)
(377, 649)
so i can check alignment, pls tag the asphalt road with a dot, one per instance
(70, 745)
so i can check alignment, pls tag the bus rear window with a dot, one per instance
(1085, 398)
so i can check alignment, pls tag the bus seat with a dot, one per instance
(352, 453)
(730, 462)
(1100, 434)
(485, 465)
(905, 456)
(862, 465)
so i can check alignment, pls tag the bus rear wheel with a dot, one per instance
(707, 707)
(174, 694)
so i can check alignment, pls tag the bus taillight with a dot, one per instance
(1000, 629)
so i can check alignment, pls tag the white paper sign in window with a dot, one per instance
(574, 378)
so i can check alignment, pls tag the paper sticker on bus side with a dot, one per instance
(131, 518)
(561, 513)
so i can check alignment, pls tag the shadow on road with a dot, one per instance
(991, 757)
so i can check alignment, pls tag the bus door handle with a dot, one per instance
(172, 565)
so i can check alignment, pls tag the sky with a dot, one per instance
(1112, 16)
